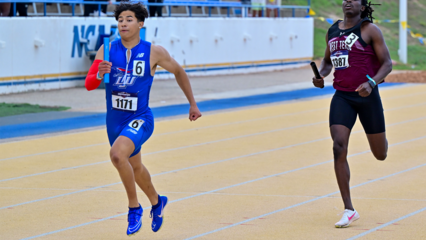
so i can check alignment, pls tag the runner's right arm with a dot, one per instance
(325, 68)
(162, 58)
(97, 71)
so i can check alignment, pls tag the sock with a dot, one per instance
(136, 208)
(158, 204)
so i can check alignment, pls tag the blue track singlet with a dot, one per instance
(127, 94)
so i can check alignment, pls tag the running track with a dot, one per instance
(259, 173)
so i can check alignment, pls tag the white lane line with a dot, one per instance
(387, 224)
(52, 171)
(174, 132)
(250, 181)
(205, 164)
(195, 145)
(172, 149)
(171, 171)
(55, 151)
(220, 125)
(317, 198)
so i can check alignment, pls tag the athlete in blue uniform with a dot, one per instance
(129, 119)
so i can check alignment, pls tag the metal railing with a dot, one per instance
(232, 8)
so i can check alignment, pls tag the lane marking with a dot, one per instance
(173, 132)
(250, 181)
(216, 193)
(219, 125)
(202, 165)
(387, 224)
(52, 171)
(317, 198)
(171, 171)
(173, 149)
(55, 151)
(195, 145)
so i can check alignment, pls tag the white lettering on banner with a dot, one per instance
(71, 35)
(83, 38)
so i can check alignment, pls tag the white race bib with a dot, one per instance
(351, 40)
(138, 68)
(340, 59)
(124, 101)
(136, 124)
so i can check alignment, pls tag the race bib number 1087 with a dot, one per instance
(340, 59)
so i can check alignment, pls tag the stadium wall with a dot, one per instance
(51, 53)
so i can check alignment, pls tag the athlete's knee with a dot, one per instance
(117, 158)
(339, 148)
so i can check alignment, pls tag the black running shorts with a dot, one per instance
(345, 106)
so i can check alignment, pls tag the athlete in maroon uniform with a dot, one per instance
(358, 52)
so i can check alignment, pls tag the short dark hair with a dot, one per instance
(138, 8)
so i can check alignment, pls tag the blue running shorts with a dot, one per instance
(138, 130)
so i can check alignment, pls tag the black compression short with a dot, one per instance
(345, 106)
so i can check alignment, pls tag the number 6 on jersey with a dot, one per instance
(136, 124)
(138, 68)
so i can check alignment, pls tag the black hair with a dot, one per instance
(368, 12)
(138, 8)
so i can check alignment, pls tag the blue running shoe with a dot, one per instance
(157, 215)
(134, 219)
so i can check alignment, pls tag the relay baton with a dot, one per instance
(315, 70)
(106, 57)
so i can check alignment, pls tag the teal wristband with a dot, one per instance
(372, 81)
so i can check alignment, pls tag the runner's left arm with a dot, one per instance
(383, 55)
(167, 62)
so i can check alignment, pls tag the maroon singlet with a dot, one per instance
(352, 58)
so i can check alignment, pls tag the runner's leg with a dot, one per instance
(373, 120)
(340, 135)
(378, 145)
(122, 148)
(143, 178)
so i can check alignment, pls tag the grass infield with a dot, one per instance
(10, 109)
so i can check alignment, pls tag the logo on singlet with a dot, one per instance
(123, 83)
(338, 53)
(341, 33)
(140, 55)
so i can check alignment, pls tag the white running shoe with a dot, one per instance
(348, 217)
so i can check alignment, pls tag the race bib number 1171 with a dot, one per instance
(124, 101)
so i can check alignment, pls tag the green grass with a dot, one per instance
(319, 42)
(388, 10)
(10, 109)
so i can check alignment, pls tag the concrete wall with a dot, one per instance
(51, 53)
